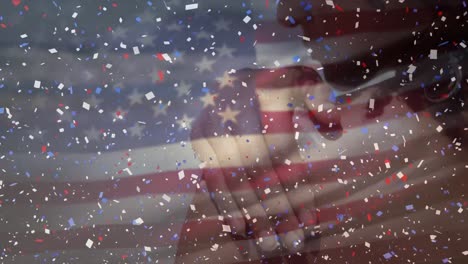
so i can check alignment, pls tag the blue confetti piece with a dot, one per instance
(387, 255)
(71, 222)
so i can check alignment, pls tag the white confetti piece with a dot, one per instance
(465, 252)
(439, 129)
(86, 106)
(136, 51)
(227, 228)
(433, 54)
(53, 51)
(371, 103)
(214, 247)
(75, 15)
(138, 221)
(149, 95)
(387, 164)
(376, 146)
(191, 6)
(411, 69)
(400, 175)
(181, 175)
(89, 243)
(60, 86)
(246, 19)
(166, 198)
(37, 84)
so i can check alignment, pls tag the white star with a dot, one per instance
(37, 133)
(180, 56)
(67, 116)
(208, 99)
(174, 27)
(39, 101)
(135, 97)
(120, 32)
(225, 51)
(136, 130)
(159, 110)
(205, 65)
(229, 115)
(226, 80)
(94, 101)
(147, 41)
(92, 133)
(185, 122)
(222, 25)
(147, 16)
(183, 89)
(120, 85)
(203, 35)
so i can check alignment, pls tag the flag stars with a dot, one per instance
(159, 110)
(222, 25)
(92, 133)
(136, 130)
(135, 97)
(208, 99)
(183, 88)
(185, 122)
(229, 115)
(225, 51)
(205, 65)
(226, 80)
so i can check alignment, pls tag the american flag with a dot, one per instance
(103, 104)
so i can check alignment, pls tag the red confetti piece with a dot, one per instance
(161, 76)
(339, 8)
(44, 149)
(160, 56)
(16, 2)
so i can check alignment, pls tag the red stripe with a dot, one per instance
(162, 234)
(168, 182)
(345, 24)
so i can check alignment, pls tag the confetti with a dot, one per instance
(89, 243)
(191, 6)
